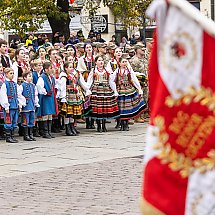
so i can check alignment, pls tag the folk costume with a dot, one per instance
(103, 97)
(29, 91)
(12, 102)
(71, 99)
(112, 65)
(47, 102)
(5, 61)
(58, 68)
(130, 101)
(36, 76)
(85, 65)
(2, 136)
(19, 68)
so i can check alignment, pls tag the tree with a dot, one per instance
(28, 15)
(60, 21)
(129, 12)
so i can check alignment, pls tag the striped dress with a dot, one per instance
(70, 93)
(130, 103)
(103, 100)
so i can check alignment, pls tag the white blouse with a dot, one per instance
(62, 85)
(4, 99)
(133, 78)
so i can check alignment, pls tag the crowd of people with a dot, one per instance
(49, 87)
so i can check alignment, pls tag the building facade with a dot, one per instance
(103, 20)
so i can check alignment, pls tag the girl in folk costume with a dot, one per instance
(130, 99)
(71, 51)
(56, 64)
(103, 97)
(70, 96)
(112, 65)
(42, 54)
(47, 100)
(19, 66)
(2, 79)
(29, 92)
(85, 64)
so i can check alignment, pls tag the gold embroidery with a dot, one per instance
(183, 162)
(192, 131)
(206, 164)
(204, 96)
(148, 209)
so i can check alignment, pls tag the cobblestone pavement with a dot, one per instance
(93, 174)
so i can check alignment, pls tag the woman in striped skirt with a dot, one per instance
(103, 97)
(130, 99)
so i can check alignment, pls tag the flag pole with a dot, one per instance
(207, 24)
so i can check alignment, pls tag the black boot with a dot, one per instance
(118, 123)
(40, 128)
(122, 125)
(21, 130)
(50, 128)
(55, 126)
(30, 133)
(12, 136)
(2, 134)
(45, 130)
(99, 129)
(36, 130)
(73, 129)
(92, 126)
(62, 124)
(68, 130)
(9, 137)
(25, 134)
(104, 129)
(88, 123)
(78, 132)
(126, 128)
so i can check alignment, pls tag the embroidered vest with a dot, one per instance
(12, 94)
(29, 94)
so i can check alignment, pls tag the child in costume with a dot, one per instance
(70, 96)
(47, 100)
(11, 104)
(103, 97)
(29, 92)
(37, 68)
(130, 100)
(2, 79)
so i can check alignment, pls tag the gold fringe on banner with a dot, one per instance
(148, 209)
